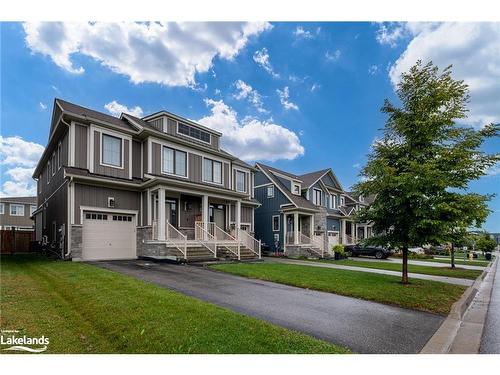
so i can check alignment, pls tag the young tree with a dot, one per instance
(421, 162)
(485, 243)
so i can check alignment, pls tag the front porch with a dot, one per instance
(192, 227)
(300, 236)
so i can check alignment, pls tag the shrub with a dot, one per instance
(338, 249)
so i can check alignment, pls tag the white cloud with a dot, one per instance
(116, 109)
(20, 157)
(315, 86)
(262, 59)
(43, 107)
(251, 139)
(166, 53)
(333, 56)
(356, 165)
(284, 96)
(474, 51)
(245, 91)
(372, 70)
(494, 170)
(390, 33)
(300, 32)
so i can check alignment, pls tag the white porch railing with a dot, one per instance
(176, 238)
(249, 242)
(314, 242)
(172, 237)
(205, 238)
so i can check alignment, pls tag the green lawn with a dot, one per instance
(436, 271)
(86, 309)
(420, 294)
(481, 263)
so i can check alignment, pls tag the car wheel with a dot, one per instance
(379, 255)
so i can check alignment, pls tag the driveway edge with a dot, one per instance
(446, 338)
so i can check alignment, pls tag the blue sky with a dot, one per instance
(299, 96)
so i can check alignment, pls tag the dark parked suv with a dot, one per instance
(376, 251)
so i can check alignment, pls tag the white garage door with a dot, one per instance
(108, 236)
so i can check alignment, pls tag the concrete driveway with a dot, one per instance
(363, 326)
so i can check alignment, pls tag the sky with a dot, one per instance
(298, 96)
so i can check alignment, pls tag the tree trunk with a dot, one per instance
(404, 276)
(452, 252)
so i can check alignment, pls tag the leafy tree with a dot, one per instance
(423, 160)
(485, 243)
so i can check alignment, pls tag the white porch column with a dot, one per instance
(311, 229)
(161, 214)
(204, 212)
(296, 228)
(237, 215)
(365, 228)
(284, 223)
(342, 225)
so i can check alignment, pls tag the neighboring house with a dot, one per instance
(304, 214)
(160, 186)
(15, 213)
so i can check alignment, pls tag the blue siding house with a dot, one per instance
(305, 214)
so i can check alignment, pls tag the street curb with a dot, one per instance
(443, 338)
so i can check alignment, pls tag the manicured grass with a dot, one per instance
(85, 309)
(420, 294)
(412, 268)
(462, 262)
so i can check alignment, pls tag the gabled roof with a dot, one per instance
(91, 114)
(297, 200)
(309, 179)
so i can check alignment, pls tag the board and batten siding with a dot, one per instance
(136, 159)
(225, 176)
(110, 171)
(97, 196)
(246, 214)
(81, 146)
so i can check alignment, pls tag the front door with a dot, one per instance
(217, 215)
(171, 211)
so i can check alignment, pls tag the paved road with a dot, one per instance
(363, 326)
(490, 342)
(442, 279)
(418, 263)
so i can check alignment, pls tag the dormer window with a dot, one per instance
(191, 131)
(342, 201)
(317, 197)
(361, 198)
(296, 188)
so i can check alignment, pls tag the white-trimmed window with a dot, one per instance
(193, 132)
(342, 201)
(295, 188)
(48, 172)
(174, 162)
(17, 210)
(241, 184)
(59, 156)
(270, 191)
(276, 223)
(2, 208)
(212, 171)
(333, 201)
(361, 198)
(317, 197)
(112, 150)
(32, 209)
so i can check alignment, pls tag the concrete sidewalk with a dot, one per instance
(419, 263)
(442, 279)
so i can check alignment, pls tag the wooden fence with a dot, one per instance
(15, 241)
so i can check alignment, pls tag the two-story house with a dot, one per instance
(304, 214)
(158, 186)
(15, 213)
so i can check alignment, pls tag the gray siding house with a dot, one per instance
(15, 213)
(305, 214)
(158, 186)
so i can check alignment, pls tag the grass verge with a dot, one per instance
(461, 262)
(422, 295)
(412, 268)
(86, 309)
